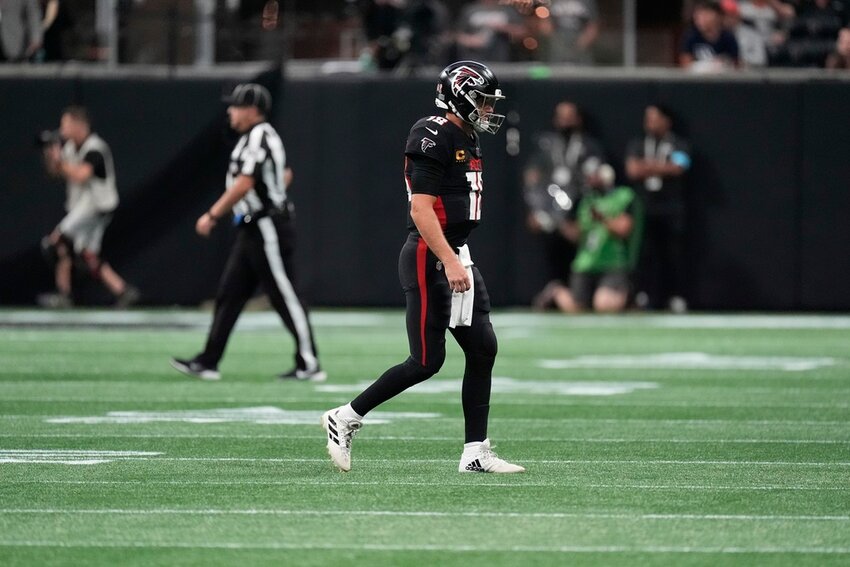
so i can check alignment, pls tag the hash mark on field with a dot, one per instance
(69, 457)
(266, 415)
(506, 385)
(689, 361)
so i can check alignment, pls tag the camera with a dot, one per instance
(47, 137)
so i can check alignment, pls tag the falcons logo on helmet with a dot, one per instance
(463, 77)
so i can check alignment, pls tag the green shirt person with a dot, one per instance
(607, 228)
(606, 241)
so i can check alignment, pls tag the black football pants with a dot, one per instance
(262, 255)
(428, 310)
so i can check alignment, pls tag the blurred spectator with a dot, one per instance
(20, 29)
(812, 34)
(570, 31)
(554, 181)
(381, 19)
(608, 228)
(487, 30)
(55, 23)
(422, 34)
(761, 29)
(840, 58)
(707, 46)
(657, 163)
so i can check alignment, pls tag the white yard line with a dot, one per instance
(488, 548)
(454, 439)
(534, 400)
(567, 420)
(476, 483)
(815, 464)
(425, 514)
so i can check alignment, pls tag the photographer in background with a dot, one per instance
(554, 181)
(84, 161)
(608, 228)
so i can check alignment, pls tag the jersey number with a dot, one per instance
(476, 186)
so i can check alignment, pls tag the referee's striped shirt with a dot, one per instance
(259, 154)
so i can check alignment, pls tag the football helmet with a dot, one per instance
(470, 90)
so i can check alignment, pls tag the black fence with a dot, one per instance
(767, 193)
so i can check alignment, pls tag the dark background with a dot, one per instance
(768, 190)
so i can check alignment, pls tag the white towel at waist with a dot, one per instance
(462, 302)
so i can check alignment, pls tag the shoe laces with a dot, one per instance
(488, 454)
(351, 429)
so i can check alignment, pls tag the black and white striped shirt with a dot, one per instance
(259, 154)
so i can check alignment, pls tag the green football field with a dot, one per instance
(649, 440)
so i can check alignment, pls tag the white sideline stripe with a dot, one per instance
(325, 482)
(293, 304)
(502, 319)
(425, 547)
(423, 514)
(431, 438)
(534, 461)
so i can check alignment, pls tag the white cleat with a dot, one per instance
(340, 432)
(479, 457)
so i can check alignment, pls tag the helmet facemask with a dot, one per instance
(482, 117)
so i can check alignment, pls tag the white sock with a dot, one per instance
(347, 412)
(473, 447)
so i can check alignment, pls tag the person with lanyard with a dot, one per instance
(554, 181)
(657, 164)
(257, 183)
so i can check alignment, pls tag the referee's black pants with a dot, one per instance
(429, 302)
(262, 255)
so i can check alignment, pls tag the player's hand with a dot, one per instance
(205, 224)
(458, 278)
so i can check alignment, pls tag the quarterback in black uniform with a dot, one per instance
(262, 255)
(444, 290)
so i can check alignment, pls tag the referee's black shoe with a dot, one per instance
(195, 369)
(317, 375)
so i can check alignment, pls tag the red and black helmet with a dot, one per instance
(470, 90)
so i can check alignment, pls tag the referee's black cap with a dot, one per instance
(250, 94)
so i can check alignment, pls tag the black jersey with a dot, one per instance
(458, 204)
(259, 154)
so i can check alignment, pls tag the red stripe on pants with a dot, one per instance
(421, 255)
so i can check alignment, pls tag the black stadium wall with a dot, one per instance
(768, 190)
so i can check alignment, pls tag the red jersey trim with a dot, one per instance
(421, 256)
(440, 210)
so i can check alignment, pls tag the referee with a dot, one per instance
(265, 242)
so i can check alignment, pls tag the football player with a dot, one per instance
(443, 288)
